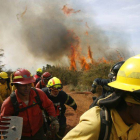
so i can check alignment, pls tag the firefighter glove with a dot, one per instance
(55, 125)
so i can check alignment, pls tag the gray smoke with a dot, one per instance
(34, 33)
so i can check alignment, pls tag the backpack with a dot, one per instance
(105, 104)
(16, 105)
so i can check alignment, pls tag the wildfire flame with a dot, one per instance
(87, 25)
(72, 58)
(90, 55)
(84, 64)
(86, 33)
(68, 11)
(76, 56)
(22, 14)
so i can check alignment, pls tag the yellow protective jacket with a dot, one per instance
(4, 90)
(89, 127)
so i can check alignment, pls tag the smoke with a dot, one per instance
(37, 32)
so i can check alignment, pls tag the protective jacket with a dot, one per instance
(37, 78)
(60, 101)
(32, 117)
(5, 90)
(89, 127)
(104, 83)
(40, 84)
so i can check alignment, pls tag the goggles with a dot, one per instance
(57, 87)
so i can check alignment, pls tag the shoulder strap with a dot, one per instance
(40, 84)
(15, 103)
(106, 123)
(8, 83)
(39, 102)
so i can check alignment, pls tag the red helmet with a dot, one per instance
(22, 76)
(47, 75)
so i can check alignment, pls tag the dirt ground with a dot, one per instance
(83, 101)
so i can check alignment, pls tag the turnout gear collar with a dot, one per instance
(130, 99)
(121, 127)
(128, 77)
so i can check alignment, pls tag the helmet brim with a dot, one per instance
(123, 86)
(23, 82)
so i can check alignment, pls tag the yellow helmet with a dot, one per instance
(39, 70)
(54, 82)
(128, 77)
(3, 75)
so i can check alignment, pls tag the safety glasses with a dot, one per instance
(56, 89)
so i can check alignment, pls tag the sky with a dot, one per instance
(34, 33)
(118, 17)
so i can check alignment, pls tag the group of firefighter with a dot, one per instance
(115, 115)
(29, 97)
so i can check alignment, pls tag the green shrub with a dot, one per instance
(81, 80)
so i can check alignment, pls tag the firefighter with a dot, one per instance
(104, 82)
(124, 109)
(28, 103)
(37, 77)
(46, 76)
(59, 98)
(5, 86)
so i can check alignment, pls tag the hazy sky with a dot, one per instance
(26, 26)
(118, 17)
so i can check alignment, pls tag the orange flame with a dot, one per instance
(86, 33)
(90, 55)
(72, 58)
(77, 57)
(84, 64)
(87, 25)
(69, 11)
(22, 14)
(103, 60)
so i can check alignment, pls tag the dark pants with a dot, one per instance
(38, 136)
(62, 127)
